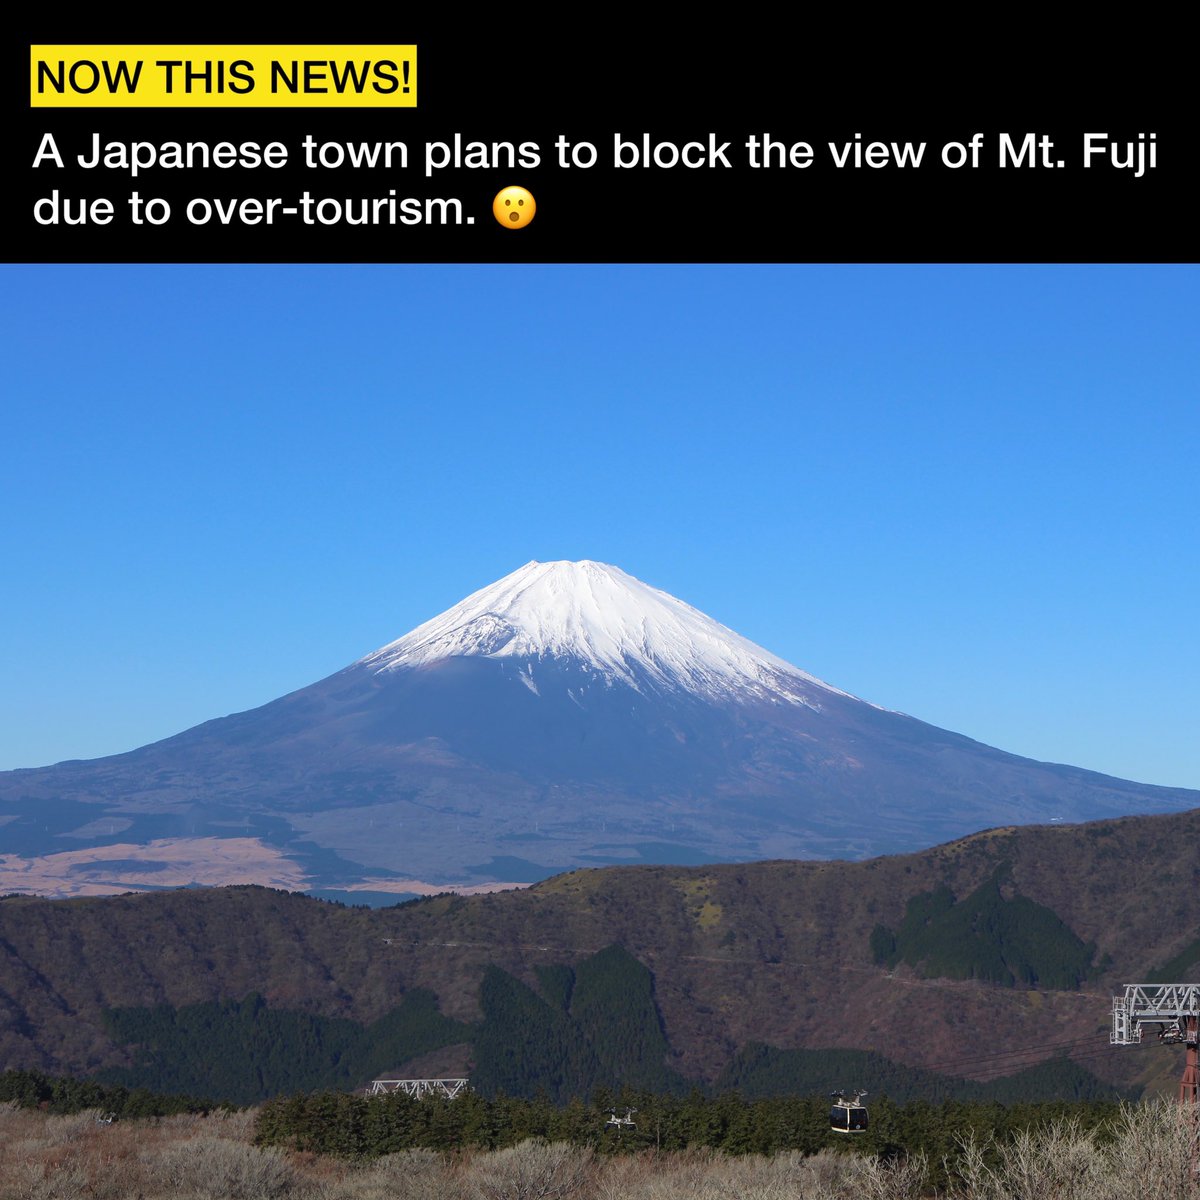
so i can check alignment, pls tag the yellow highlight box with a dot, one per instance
(222, 76)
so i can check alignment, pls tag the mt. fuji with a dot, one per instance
(566, 715)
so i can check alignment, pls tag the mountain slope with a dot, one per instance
(780, 953)
(566, 715)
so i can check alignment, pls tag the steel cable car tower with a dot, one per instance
(1175, 1009)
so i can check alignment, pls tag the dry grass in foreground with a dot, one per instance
(46, 1157)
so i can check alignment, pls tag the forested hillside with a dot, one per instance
(978, 959)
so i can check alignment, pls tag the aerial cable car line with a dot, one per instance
(1073, 1047)
(1063, 1047)
(1074, 1054)
(1079, 1058)
(850, 1116)
(971, 1070)
(1018, 1052)
(1076, 1050)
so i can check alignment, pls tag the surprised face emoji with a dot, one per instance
(514, 207)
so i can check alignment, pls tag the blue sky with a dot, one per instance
(969, 493)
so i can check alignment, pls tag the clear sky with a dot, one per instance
(968, 493)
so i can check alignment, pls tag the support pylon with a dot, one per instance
(1175, 1009)
(1189, 1085)
(1189, 1090)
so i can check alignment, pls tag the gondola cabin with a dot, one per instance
(848, 1115)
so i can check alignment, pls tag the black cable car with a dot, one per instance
(848, 1115)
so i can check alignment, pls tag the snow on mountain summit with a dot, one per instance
(597, 615)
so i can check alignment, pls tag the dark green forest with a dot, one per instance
(1006, 941)
(596, 1026)
(364, 1127)
(243, 1051)
(62, 1095)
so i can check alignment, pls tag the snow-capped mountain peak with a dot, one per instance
(598, 616)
